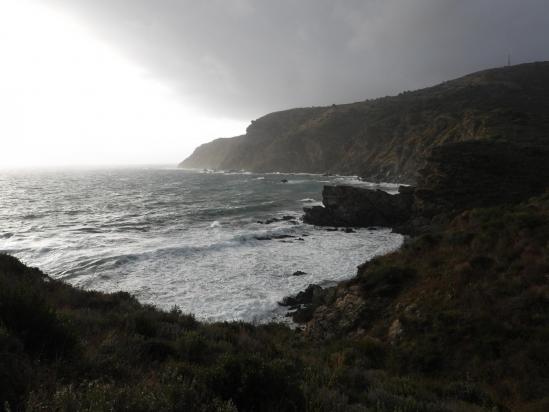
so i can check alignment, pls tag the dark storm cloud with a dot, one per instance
(243, 58)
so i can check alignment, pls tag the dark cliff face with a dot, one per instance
(388, 139)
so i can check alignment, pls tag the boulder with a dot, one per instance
(302, 298)
(359, 207)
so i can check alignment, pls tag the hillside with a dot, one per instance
(388, 138)
(63, 349)
(455, 321)
(468, 302)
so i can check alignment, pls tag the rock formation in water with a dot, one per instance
(359, 207)
(388, 139)
(456, 177)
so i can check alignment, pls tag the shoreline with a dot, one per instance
(421, 314)
(228, 238)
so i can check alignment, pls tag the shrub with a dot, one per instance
(27, 315)
(193, 347)
(15, 371)
(256, 385)
(156, 350)
(387, 280)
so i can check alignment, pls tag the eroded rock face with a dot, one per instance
(337, 317)
(359, 207)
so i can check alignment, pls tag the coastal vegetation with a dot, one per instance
(456, 320)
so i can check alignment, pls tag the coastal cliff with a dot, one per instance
(388, 139)
(456, 177)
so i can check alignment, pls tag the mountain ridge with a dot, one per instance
(389, 138)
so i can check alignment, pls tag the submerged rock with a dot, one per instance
(276, 237)
(286, 218)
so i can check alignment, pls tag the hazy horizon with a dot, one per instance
(133, 83)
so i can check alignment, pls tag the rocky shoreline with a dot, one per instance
(497, 174)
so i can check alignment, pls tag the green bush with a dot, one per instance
(386, 280)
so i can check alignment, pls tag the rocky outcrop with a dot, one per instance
(360, 207)
(388, 139)
(456, 177)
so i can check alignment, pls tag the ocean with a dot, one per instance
(186, 238)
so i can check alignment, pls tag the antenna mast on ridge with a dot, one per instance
(509, 59)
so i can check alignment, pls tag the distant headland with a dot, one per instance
(388, 139)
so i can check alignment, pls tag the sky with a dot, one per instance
(91, 82)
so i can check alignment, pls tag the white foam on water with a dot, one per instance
(391, 188)
(173, 237)
(240, 277)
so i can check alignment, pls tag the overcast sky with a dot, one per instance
(229, 61)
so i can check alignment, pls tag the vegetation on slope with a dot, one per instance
(484, 173)
(389, 138)
(455, 321)
(467, 303)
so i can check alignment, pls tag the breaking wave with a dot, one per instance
(220, 245)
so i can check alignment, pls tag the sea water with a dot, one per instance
(186, 238)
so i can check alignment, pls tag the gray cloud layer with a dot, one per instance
(244, 58)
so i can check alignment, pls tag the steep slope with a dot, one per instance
(388, 138)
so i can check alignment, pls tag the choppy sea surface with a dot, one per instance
(185, 238)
